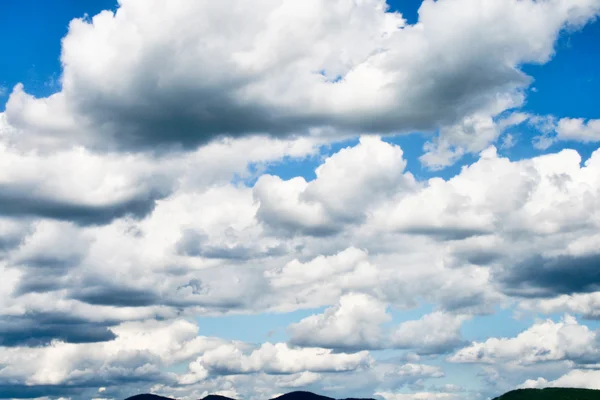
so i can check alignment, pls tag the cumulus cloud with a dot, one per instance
(354, 68)
(418, 396)
(586, 304)
(544, 341)
(579, 129)
(139, 350)
(135, 354)
(136, 197)
(565, 129)
(277, 358)
(434, 333)
(347, 184)
(353, 324)
(412, 372)
(323, 279)
(77, 185)
(577, 378)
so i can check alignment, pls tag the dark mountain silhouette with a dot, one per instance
(217, 397)
(309, 396)
(299, 395)
(147, 397)
(551, 394)
(302, 396)
(520, 394)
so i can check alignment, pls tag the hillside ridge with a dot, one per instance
(551, 394)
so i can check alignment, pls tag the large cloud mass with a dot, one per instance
(154, 192)
(154, 73)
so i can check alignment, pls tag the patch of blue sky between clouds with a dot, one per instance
(33, 41)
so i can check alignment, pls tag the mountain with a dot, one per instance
(520, 394)
(287, 396)
(551, 394)
(302, 396)
(147, 397)
(216, 397)
(307, 396)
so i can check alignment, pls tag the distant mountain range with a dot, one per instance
(288, 396)
(521, 394)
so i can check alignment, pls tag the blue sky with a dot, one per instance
(188, 208)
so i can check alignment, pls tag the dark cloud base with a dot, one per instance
(548, 277)
(38, 329)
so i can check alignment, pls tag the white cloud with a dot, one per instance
(416, 371)
(352, 324)
(544, 341)
(418, 396)
(147, 75)
(579, 129)
(299, 380)
(437, 332)
(138, 351)
(577, 378)
(524, 227)
(586, 304)
(564, 129)
(278, 358)
(347, 185)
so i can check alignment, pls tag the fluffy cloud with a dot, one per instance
(564, 129)
(136, 197)
(544, 341)
(78, 185)
(579, 129)
(409, 372)
(347, 184)
(432, 334)
(139, 350)
(277, 358)
(135, 355)
(354, 67)
(353, 324)
(418, 396)
(577, 378)
(586, 304)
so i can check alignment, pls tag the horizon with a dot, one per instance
(392, 200)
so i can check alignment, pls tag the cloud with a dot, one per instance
(544, 341)
(564, 129)
(278, 358)
(347, 185)
(408, 372)
(299, 380)
(585, 304)
(417, 396)
(135, 353)
(544, 276)
(579, 129)
(577, 378)
(353, 324)
(78, 185)
(205, 249)
(434, 333)
(180, 82)
(38, 329)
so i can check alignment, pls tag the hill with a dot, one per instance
(551, 394)
(307, 396)
(520, 394)
(147, 397)
(216, 397)
(302, 396)
(288, 396)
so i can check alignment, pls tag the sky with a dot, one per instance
(362, 199)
